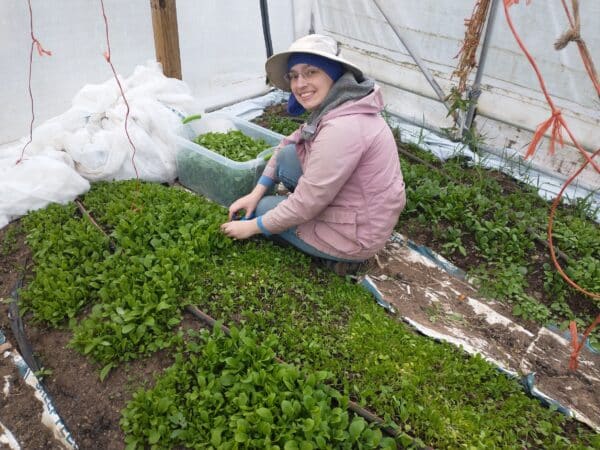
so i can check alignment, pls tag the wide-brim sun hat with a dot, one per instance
(316, 44)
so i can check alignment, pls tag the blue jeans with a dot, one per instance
(289, 172)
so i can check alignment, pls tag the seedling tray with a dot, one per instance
(210, 174)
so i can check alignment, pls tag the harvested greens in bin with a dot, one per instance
(207, 172)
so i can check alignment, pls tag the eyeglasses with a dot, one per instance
(307, 74)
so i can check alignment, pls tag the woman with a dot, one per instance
(341, 166)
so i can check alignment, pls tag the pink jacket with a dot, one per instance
(351, 193)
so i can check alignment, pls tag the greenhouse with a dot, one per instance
(300, 224)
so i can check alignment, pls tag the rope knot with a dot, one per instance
(556, 122)
(572, 35)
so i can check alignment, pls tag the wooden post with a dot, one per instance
(166, 36)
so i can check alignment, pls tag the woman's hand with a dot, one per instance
(247, 202)
(240, 229)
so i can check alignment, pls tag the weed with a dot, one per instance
(42, 373)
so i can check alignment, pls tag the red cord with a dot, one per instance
(41, 52)
(107, 57)
(558, 122)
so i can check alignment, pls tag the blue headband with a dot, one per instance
(332, 68)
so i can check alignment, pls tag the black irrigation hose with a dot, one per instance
(562, 255)
(18, 330)
(352, 406)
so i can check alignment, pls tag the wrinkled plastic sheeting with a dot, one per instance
(7, 438)
(89, 143)
(522, 356)
(49, 415)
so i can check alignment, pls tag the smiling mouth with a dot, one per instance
(306, 95)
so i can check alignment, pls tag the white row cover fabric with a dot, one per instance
(89, 143)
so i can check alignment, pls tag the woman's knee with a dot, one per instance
(289, 169)
(267, 203)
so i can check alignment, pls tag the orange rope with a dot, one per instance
(41, 51)
(576, 345)
(549, 230)
(557, 122)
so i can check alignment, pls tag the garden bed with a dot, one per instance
(108, 302)
(321, 322)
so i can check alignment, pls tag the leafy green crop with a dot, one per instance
(168, 252)
(140, 287)
(234, 145)
(68, 252)
(470, 212)
(283, 125)
(228, 392)
(9, 241)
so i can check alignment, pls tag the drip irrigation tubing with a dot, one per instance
(88, 215)
(391, 431)
(18, 330)
(562, 255)
(27, 366)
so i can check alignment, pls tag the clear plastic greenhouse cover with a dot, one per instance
(79, 135)
(78, 114)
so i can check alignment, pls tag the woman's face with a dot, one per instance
(309, 84)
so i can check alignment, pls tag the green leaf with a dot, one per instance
(305, 445)
(162, 305)
(287, 408)
(215, 436)
(356, 428)
(153, 437)
(291, 445)
(240, 437)
(128, 328)
(265, 414)
(105, 370)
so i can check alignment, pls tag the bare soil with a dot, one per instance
(446, 308)
(19, 409)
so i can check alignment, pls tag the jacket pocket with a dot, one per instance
(336, 227)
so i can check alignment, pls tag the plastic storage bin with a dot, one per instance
(211, 174)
